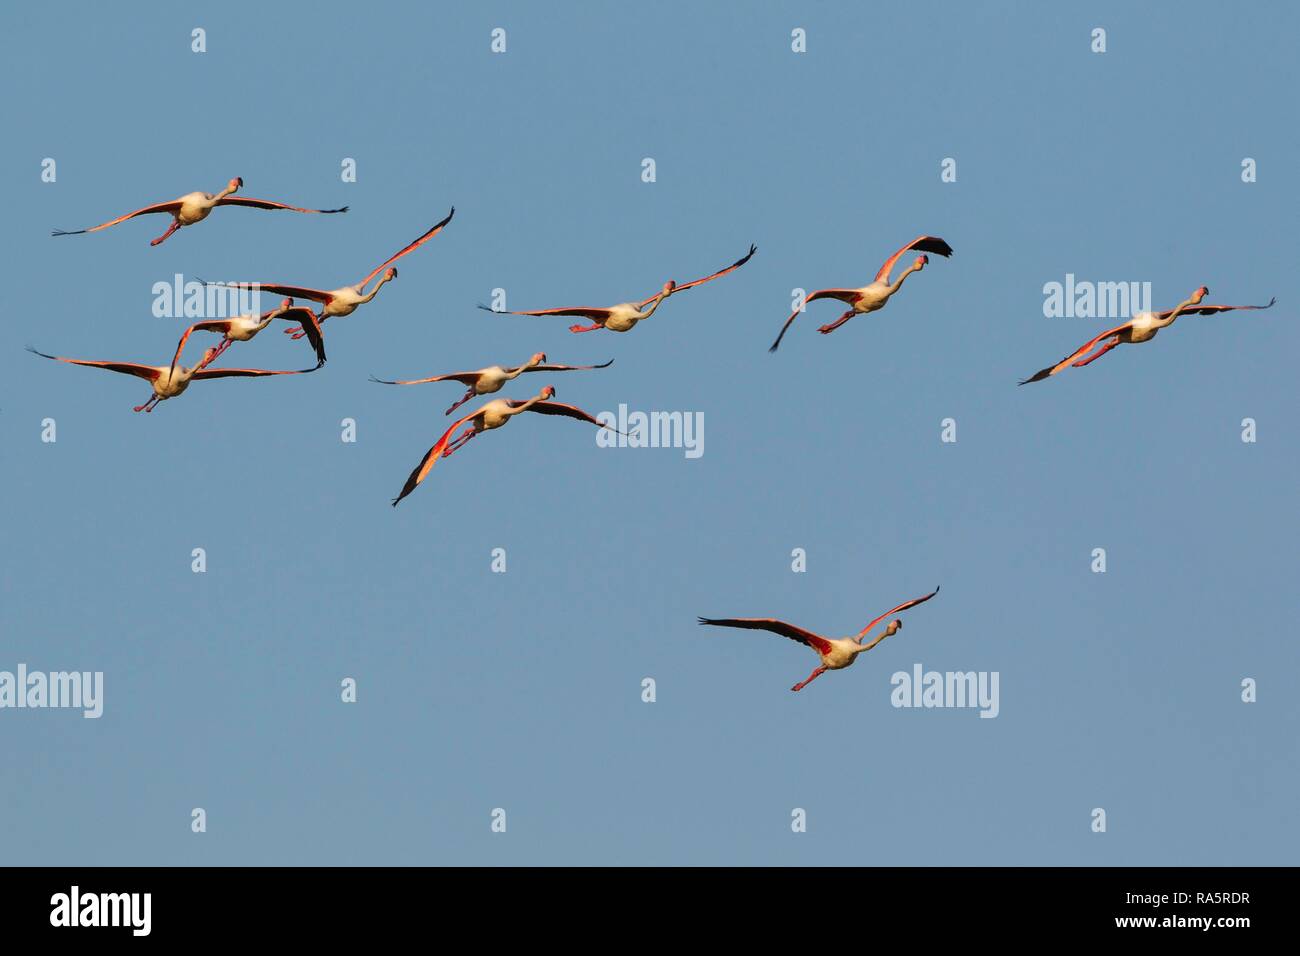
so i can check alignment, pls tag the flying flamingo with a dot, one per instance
(836, 652)
(871, 298)
(492, 415)
(194, 207)
(622, 317)
(1141, 328)
(168, 381)
(490, 379)
(242, 328)
(344, 301)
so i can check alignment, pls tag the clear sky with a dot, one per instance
(523, 690)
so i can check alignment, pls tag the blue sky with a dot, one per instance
(522, 690)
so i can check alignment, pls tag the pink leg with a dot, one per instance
(828, 329)
(811, 677)
(1096, 355)
(296, 331)
(468, 396)
(459, 442)
(176, 224)
(147, 406)
(585, 328)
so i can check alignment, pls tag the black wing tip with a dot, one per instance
(706, 620)
(605, 364)
(35, 351)
(66, 232)
(774, 346)
(486, 308)
(340, 209)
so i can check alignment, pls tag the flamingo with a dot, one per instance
(490, 379)
(872, 298)
(242, 328)
(625, 315)
(344, 301)
(836, 653)
(168, 381)
(1141, 328)
(195, 207)
(494, 414)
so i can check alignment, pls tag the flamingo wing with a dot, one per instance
(211, 325)
(559, 408)
(567, 368)
(902, 607)
(292, 291)
(721, 272)
(808, 638)
(310, 327)
(920, 244)
(599, 314)
(429, 460)
(171, 207)
(1065, 362)
(465, 378)
(269, 204)
(149, 372)
(437, 228)
(246, 372)
(844, 295)
(1213, 309)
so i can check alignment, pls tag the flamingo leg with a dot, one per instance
(147, 406)
(176, 224)
(810, 678)
(468, 396)
(297, 332)
(459, 442)
(828, 329)
(585, 328)
(1097, 354)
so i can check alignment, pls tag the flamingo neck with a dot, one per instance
(898, 283)
(525, 405)
(655, 304)
(1161, 323)
(375, 291)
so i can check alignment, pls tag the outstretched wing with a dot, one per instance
(246, 372)
(844, 295)
(292, 291)
(920, 244)
(268, 204)
(127, 368)
(567, 368)
(170, 207)
(808, 638)
(584, 312)
(1213, 309)
(465, 378)
(429, 460)
(1065, 362)
(559, 408)
(437, 228)
(721, 272)
(902, 607)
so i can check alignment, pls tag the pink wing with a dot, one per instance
(412, 246)
(808, 638)
(921, 244)
(902, 607)
(170, 207)
(268, 204)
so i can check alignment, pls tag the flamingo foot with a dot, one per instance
(163, 238)
(468, 396)
(585, 328)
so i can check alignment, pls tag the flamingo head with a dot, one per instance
(669, 286)
(894, 627)
(208, 356)
(548, 392)
(391, 274)
(286, 303)
(537, 359)
(236, 183)
(1201, 293)
(921, 262)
